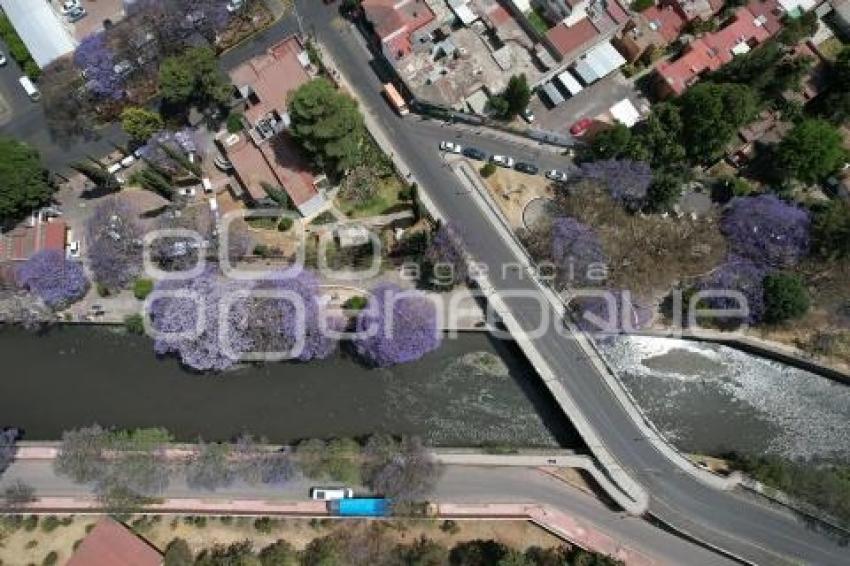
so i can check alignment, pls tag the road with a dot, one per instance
(728, 520)
(458, 484)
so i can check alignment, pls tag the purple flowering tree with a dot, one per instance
(190, 327)
(767, 230)
(447, 257)
(396, 327)
(736, 274)
(114, 243)
(276, 326)
(175, 20)
(627, 181)
(575, 249)
(54, 279)
(96, 61)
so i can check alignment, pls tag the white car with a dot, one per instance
(450, 147)
(235, 5)
(2, 59)
(527, 115)
(69, 5)
(503, 160)
(187, 191)
(74, 249)
(331, 493)
(556, 175)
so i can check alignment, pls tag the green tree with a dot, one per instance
(235, 554)
(785, 297)
(324, 551)
(193, 77)
(141, 123)
(421, 552)
(665, 190)
(659, 138)
(342, 460)
(328, 125)
(714, 112)
(517, 95)
(799, 28)
(613, 143)
(279, 553)
(178, 553)
(831, 230)
(811, 151)
(24, 183)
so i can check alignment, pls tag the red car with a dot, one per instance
(580, 127)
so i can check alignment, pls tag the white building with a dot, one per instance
(40, 29)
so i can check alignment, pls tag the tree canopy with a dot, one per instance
(811, 151)
(328, 125)
(514, 99)
(24, 183)
(785, 297)
(714, 112)
(193, 77)
(140, 123)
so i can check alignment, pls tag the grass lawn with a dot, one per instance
(537, 22)
(263, 222)
(385, 199)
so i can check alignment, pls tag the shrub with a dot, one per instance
(234, 123)
(263, 525)
(785, 297)
(142, 288)
(134, 324)
(30, 523)
(49, 524)
(487, 170)
(641, 5)
(31, 544)
(51, 559)
(285, 224)
(355, 303)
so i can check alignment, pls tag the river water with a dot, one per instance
(472, 391)
(709, 398)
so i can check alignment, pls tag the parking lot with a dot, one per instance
(98, 11)
(594, 100)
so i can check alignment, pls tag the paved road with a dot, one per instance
(459, 484)
(728, 520)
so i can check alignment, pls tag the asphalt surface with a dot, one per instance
(458, 484)
(728, 520)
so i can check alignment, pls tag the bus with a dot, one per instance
(396, 100)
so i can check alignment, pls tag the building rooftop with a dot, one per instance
(270, 77)
(567, 40)
(394, 21)
(111, 544)
(25, 240)
(40, 29)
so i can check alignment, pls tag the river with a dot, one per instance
(709, 398)
(473, 391)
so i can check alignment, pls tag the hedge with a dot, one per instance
(17, 50)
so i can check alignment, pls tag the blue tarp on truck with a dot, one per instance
(360, 507)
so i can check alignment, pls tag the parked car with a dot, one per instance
(528, 168)
(73, 249)
(580, 127)
(76, 14)
(187, 191)
(2, 59)
(207, 185)
(556, 175)
(527, 115)
(474, 153)
(223, 164)
(235, 5)
(450, 147)
(69, 5)
(503, 160)
(331, 493)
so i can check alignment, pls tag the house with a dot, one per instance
(767, 128)
(749, 27)
(654, 28)
(586, 24)
(39, 233)
(395, 22)
(263, 156)
(112, 544)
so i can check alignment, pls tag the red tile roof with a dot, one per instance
(498, 15)
(271, 76)
(112, 544)
(617, 13)
(712, 51)
(668, 22)
(568, 39)
(23, 241)
(395, 20)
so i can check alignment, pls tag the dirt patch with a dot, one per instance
(21, 546)
(513, 190)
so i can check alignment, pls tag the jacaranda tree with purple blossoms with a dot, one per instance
(627, 181)
(397, 326)
(446, 259)
(738, 274)
(576, 252)
(114, 246)
(54, 279)
(767, 230)
(256, 324)
(97, 62)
